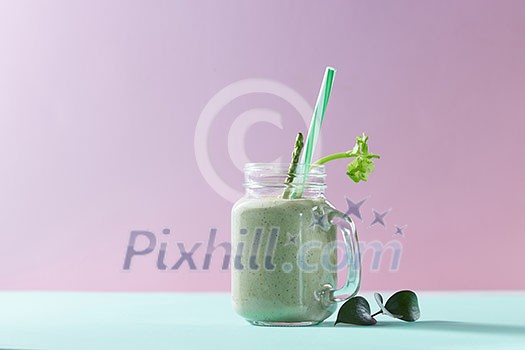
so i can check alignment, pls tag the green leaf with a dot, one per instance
(361, 144)
(362, 165)
(404, 305)
(360, 168)
(355, 310)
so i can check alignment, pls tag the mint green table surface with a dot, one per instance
(44, 320)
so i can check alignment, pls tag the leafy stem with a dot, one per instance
(361, 166)
(347, 154)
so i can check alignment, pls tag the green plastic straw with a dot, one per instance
(317, 121)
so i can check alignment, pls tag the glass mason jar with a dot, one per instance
(284, 248)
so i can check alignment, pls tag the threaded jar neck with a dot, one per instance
(272, 180)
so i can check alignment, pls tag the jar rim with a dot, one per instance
(314, 169)
(270, 177)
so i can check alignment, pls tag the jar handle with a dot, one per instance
(353, 279)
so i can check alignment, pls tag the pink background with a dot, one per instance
(99, 102)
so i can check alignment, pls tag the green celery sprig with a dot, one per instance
(362, 165)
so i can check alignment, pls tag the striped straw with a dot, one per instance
(317, 121)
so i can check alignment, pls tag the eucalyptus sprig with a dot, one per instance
(402, 305)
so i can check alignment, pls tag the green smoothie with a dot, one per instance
(283, 254)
